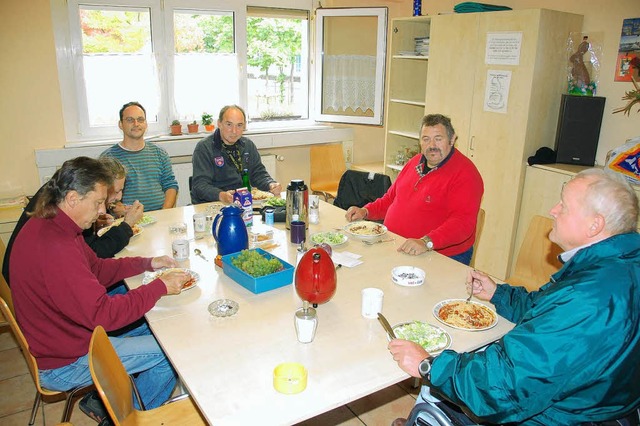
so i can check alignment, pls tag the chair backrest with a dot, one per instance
(327, 166)
(538, 256)
(359, 188)
(110, 377)
(5, 292)
(24, 346)
(479, 226)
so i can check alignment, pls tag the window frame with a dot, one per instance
(68, 41)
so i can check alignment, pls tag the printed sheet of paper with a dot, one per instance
(497, 91)
(503, 48)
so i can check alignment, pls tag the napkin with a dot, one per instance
(346, 258)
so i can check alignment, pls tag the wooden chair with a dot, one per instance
(71, 396)
(327, 167)
(5, 293)
(116, 390)
(538, 256)
(479, 226)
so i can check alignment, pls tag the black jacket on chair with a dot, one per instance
(359, 188)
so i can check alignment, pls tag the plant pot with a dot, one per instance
(193, 128)
(176, 130)
(209, 127)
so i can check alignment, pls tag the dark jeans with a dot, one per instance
(464, 257)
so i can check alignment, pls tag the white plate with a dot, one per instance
(439, 305)
(407, 276)
(365, 230)
(319, 237)
(147, 220)
(426, 328)
(150, 276)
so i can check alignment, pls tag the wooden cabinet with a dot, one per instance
(499, 142)
(406, 90)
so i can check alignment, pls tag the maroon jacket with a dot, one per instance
(59, 285)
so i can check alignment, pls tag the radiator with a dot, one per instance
(183, 171)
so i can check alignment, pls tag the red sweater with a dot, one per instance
(443, 204)
(59, 285)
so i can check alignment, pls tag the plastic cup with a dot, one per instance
(371, 302)
(314, 209)
(298, 232)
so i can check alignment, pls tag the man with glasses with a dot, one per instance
(435, 199)
(220, 159)
(150, 178)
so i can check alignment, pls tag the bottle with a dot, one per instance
(297, 202)
(245, 179)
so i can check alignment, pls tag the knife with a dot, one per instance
(386, 326)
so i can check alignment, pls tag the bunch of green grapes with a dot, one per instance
(255, 264)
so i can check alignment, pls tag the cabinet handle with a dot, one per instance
(471, 143)
(395, 30)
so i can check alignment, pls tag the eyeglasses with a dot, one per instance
(131, 120)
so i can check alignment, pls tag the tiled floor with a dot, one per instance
(17, 392)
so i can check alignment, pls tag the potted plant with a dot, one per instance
(207, 122)
(193, 127)
(176, 128)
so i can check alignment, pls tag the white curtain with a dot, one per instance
(348, 82)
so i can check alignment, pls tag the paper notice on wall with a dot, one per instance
(497, 91)
(503, 48)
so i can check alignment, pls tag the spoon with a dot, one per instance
(199, 253)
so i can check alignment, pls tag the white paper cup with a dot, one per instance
(371, 302)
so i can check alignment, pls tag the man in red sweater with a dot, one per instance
(435, 199)
(59, 286)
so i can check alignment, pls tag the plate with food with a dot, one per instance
(258, 197)
(137, 230)
(465, 315)
(191, 283)
(365, 230)
(333, 238)
(431, 337)
(146, 220)
(274, 202)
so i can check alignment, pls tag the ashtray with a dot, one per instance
(178, 228)
(290, 378)
(407, 276)
(223, 308)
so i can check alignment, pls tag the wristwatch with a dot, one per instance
(427, 242)
(425, 367)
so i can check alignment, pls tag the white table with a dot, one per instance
(227, 363)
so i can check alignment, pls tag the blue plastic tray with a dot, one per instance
(260, 284)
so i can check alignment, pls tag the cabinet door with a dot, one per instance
(452, 62)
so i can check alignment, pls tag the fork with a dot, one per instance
(471, 293)
(370, 243)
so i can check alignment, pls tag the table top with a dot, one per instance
(227, 363)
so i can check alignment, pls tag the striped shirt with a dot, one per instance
(149, 174)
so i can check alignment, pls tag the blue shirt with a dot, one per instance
(149, 174)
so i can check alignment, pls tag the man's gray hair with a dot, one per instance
(611, 196)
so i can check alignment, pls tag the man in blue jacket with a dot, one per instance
(572, 357)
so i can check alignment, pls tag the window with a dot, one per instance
(179, 58)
